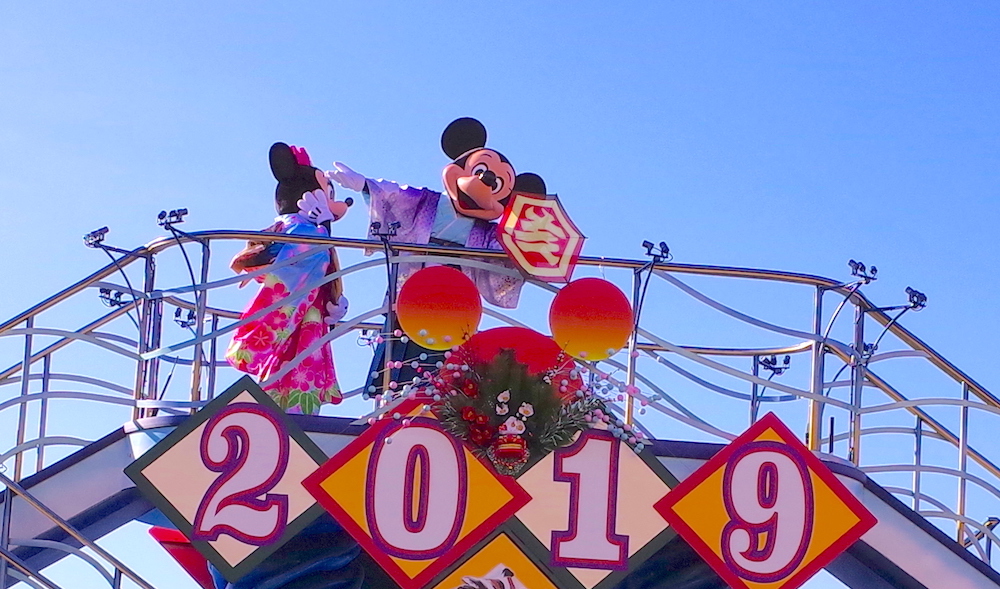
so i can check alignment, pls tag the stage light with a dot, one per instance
(95, 237)
(174, 217)
(918, 300)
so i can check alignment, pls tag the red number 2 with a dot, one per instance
(249, 447)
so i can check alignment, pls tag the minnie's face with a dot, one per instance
(338, 208)
(479, 184)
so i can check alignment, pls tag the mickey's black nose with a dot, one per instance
(489, 179)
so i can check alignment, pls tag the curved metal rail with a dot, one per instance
(641, 379)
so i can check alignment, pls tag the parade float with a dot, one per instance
(483, 452)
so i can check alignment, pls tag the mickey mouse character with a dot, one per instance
(306, 205)
(478, 184)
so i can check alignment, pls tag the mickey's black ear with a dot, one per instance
(529, 182)
(461, 135)
(283, 164)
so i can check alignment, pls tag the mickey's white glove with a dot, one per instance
(346, 177)
(315, 206)
(335, 313)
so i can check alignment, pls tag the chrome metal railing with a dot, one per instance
(22, 572)
(661, 385)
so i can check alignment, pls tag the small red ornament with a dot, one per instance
(509, 453)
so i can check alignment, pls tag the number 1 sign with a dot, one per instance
(765, 512)
(229, 478)
(591, 518)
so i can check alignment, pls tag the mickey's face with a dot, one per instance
(479, 184)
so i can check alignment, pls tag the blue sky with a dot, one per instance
(792, 136)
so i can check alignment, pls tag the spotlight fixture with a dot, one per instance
(174, 217)
(180, 320)
(771, 364)
(918, 300)
(861, 271)
(659, 253)
(376, 229)
(95, 237)
(112, 298)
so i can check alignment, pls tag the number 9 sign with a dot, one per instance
(765, 511)
(769, 500)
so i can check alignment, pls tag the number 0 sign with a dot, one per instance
(765, 510)
(414, 497)
(229, 478)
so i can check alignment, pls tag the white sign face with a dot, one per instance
(230, 478)
(592, 508)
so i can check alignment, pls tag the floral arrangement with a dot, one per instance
(508, 413)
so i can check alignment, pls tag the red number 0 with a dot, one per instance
(768, 495)
(249, 447)
(590, 466)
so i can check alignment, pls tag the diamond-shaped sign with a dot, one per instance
(498, 560)
(539, 236)
(765, 512)
(414, 496)
(229, 477)
(591, 516)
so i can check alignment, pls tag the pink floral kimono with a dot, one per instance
(266, 345)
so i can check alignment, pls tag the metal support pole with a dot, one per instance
(632, 343)
(815, 430)
(963, 458)
(201, 302)
(145, 312)
(155, 332)
(857, 384)
(833, 435)
(22, 416)
(213, 349)
(43, 414)
(918, 443)
(754, 402)
(8, 498)
(390, 318)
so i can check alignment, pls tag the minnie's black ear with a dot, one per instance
(461, 135)
(283, 163)
(529, 182)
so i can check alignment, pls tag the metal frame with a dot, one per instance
(650, 360)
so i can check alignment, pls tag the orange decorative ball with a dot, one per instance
(591, 319)
(439, 307)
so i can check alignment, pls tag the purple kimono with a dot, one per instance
(425, 216)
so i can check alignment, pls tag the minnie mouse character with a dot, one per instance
(304, 200)
(478, 184)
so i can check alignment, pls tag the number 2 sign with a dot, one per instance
(229, 478)
(765, 511)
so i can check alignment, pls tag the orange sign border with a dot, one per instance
(770, 421)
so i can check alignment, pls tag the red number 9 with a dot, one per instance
(768, 495)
